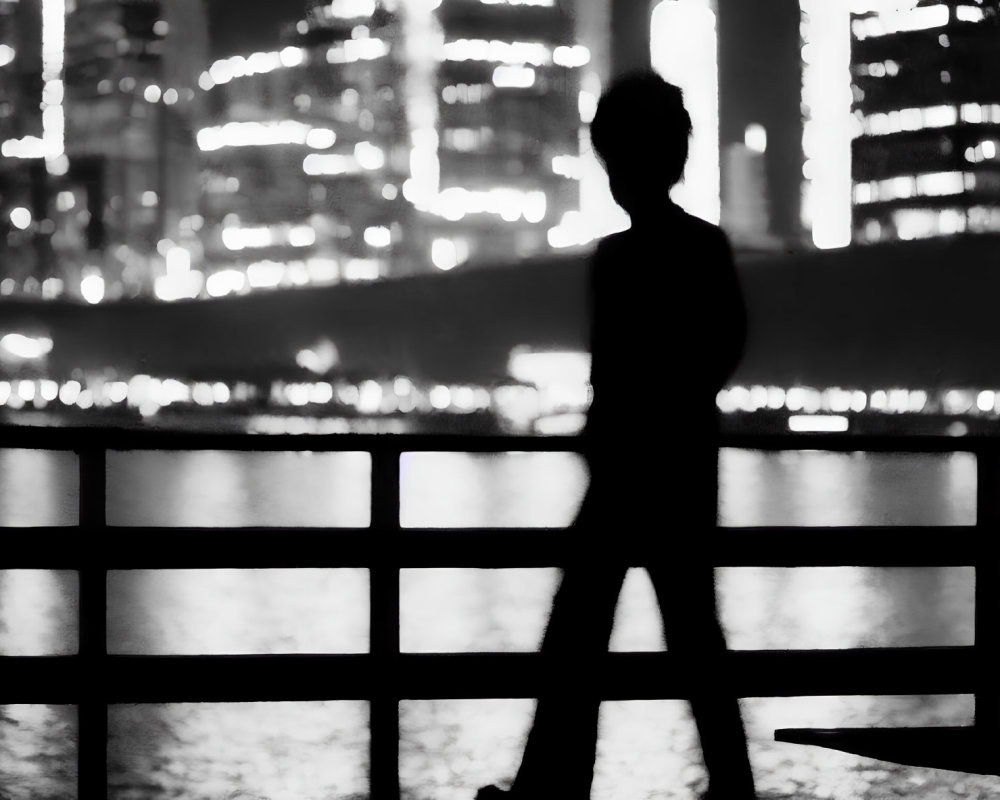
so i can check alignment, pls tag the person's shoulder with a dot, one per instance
(701, 227)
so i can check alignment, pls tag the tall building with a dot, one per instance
(926, 92)
(97, 139)
(305, 153)
(31, 140)
(507, 106)
(388, 138)
(131, 72)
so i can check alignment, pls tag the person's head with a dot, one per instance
(640, 132)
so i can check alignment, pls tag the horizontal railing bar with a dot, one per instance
(485, 548)
(613, 676)
(58, 438)
(76, 438)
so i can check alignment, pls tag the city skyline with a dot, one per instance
(148, 133)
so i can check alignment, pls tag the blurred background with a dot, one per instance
(376, 215)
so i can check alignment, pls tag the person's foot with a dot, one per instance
(494, 793)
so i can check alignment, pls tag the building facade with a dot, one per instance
(508, 129)
(926, 101)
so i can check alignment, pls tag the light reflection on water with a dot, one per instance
(38, 612)
(648, 749)
(210, 751)
(37, 752)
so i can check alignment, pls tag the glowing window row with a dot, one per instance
(366, 156)
(262, 134)
(352, 50)
(466, 94)
(267, 274)
(912, 19)
(909, 224)
(930, 184)
(534, 53)
(915, 119)
(542, 3)
(226, 69)
(908, 119)
(509, 204)
(877, 69)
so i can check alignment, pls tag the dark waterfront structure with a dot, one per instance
(926, 159)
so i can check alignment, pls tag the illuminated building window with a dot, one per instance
(984, 151)
(511, 205)
(467, 139)
(568, 166)
(447, 254)
(466, 94)
(908, 119)
(977, 113)
(508, 77)
(878, 69)
(353, 50)
(261, 134)
(898, 20)
(931, 184)
(924, 223)
(511, 53)
(543, 3)
(969, 14)
(350, 9)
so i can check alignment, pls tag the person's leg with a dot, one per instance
(686, 594)
(558, 759)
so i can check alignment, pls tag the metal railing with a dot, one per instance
(92, 679)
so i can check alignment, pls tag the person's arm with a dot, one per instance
(730, 315)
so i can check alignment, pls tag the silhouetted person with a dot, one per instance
(667, 328)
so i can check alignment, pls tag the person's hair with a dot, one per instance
(641, 122)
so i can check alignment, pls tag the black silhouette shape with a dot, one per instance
(667, 318)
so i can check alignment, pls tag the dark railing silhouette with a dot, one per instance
(384, 676)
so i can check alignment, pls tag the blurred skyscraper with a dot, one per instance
(926, 91)
(109, 162)
(507, 93)
(32, 124)
(388, 138)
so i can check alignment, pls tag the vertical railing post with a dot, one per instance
(384, 624)
(92, 708)
(987, 614)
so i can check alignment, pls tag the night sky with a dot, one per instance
(241, 26)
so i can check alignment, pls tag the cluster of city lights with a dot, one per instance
(837, 400)
(929, 184)
(148, 395)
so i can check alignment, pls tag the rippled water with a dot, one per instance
(318, 751)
